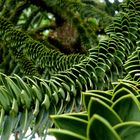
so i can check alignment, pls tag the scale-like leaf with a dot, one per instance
(61, 134)
(87, 96)
(128, 108)
(128, 130)
(71, 123)
(100, 129)
(9, 125)
(97, 106)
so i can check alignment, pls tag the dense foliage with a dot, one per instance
(69, 69)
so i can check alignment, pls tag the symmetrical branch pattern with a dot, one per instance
(27, 102)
